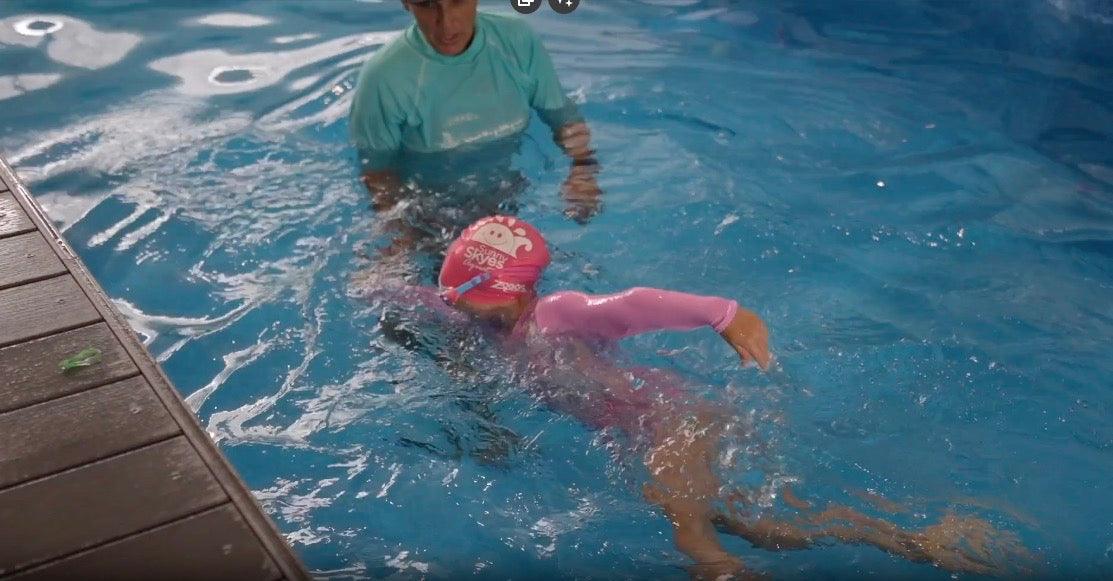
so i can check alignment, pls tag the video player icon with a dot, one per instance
(526, 6)
(564, 6)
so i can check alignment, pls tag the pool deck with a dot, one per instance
(104, 471)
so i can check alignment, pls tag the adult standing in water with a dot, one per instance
(455, 81)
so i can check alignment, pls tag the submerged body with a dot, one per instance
(556, 345)
(560, 350)
(559, 344)
(567, 331)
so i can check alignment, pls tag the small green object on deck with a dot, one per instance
(86, 357)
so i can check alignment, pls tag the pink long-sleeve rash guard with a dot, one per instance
(607, 317)
(631, 312)
(593, 317)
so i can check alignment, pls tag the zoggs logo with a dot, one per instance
(558, 6)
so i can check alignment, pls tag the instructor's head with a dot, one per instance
(448, 25)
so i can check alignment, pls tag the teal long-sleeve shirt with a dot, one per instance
(412, 98)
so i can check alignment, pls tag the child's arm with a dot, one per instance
(423, 299)
(641, 310)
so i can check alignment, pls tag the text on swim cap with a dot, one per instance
(484, 258)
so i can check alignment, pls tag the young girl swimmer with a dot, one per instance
(491, 272)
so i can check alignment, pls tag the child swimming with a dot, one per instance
(490, 273)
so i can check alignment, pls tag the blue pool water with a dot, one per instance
(917, 196)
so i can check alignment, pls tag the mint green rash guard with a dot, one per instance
(410, 98)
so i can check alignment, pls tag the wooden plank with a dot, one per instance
(104, 501)
(42, 308)
(30, 370)
(283, 555)
(27, 258)
(215, 545)
(81, 428)
(13, 220)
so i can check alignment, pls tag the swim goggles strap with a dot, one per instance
(451, 295)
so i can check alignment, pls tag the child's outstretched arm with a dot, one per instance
(641, 310)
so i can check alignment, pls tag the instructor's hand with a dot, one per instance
(582, 196)
(747, 334)
(581, 193)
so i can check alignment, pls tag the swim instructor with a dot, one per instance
(455, 78)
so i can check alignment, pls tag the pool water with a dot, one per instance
(916, 196)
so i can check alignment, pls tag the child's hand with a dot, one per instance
(749, 337)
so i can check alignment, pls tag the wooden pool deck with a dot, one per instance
(104, 471)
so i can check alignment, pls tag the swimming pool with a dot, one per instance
(918, 198)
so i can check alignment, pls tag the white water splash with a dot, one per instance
(395, 470)
(401, 563)
(552, 527)
(727, 221)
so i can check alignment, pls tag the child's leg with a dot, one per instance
(684, 449)
(684, 485)
(958, 544)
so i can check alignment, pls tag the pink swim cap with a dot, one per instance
(494, 260)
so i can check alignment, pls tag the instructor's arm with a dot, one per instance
(580, 190)
(385, 187)
(376, 126)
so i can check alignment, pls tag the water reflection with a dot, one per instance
(223, 76)
(38, 26)
(231, 20)
(15, 85)
(218, 72)
(67, 40)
